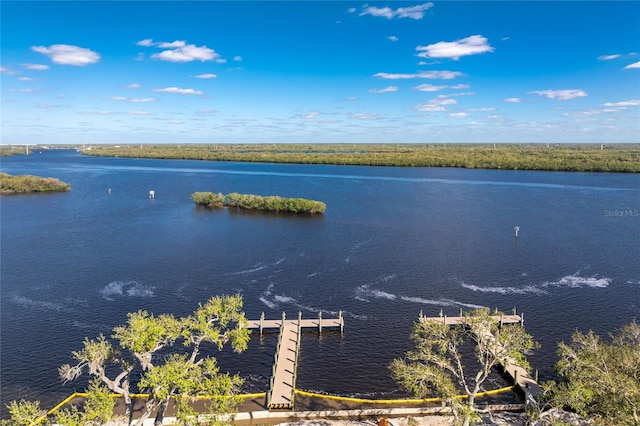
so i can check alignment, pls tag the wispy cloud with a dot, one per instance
(134, 100)
(634, 65)
(179, 91)
(413, 12)
(180, 51)
(133, 86)
(429, 88)
(364, 116)
(459, 115)
(443, 75)
(8, 71)
(513, 100)
(633, 102)
(392, 38)
(436, 104)
(209, 75)
(237, 58)
(561, 95)
(387, 89)
(608, 57)
(139, 113)
(66, 54)
(35, 67)
(310, 115)
(472, 45)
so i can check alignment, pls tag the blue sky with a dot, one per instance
(319, 72)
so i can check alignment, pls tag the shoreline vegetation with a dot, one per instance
(271, 203)
(620, 158)
(24, 184)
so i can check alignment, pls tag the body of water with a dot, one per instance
(393, 242)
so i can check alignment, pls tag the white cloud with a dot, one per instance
(172, 45)
(237, 58)
(392, 38)
(147, 42)
(133, 86)
(436, 104)
(36, 67)
(25, 79)
(472, 45)
(429, 88)
(561, 95)
(634, 65)
(206, 76)
(134, 100)
(459, 115)
(513, 100)
(187, 53)
(65, 54)
(413, 12)
(461, 86)
(444, 75)
(21, 90)
(363, 116)
(387, 89)
(7, 71)
(139, 113)
(352, 10)
(634, 102)
(179, 91)
(608, 57)
(310, 115)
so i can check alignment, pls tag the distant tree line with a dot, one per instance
(272, 203)
(25, 183)
(557, 157)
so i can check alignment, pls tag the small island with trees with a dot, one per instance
(23, 184)
(272, 203)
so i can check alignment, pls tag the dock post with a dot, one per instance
(501, 319)
(341, 322)
(440, 312)
(444, 319)
(514, 310)
(320, 322)
(460, 312)
(299, 318)
(261, 320)
(522, 319)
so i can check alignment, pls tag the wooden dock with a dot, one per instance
(284, 372)
(519, 375)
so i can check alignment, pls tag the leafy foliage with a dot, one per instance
(600, 379)
(436, 364)
(26, 183)
(559, 157)
(183, 374)
(23, 413)
(271, 203)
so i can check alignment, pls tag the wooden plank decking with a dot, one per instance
(283, 378)
(520, 376)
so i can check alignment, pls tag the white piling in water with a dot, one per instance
(516, 230)
(152, 194)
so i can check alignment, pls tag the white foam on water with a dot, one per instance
(117, 289)
(504, 290)
(425, 301)
(576, 281)
(37, 304)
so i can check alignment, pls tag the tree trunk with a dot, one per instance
(149, 406)
(160, 414)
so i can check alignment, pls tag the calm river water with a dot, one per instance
(393, 242)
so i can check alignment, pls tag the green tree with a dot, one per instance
(219, 321)
(599, 379)
(437, 365)
(23, 413)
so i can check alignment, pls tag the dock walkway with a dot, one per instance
(520, 376)
(283, 376)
